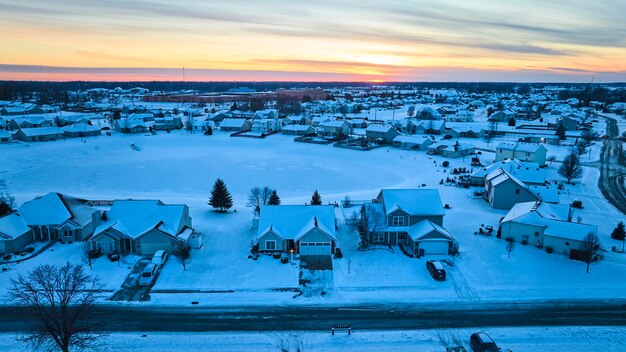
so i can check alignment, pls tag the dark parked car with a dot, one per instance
(436, 270)
(481, 342)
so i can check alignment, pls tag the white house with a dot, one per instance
(381, 132)
(300, 229)
(298, 130)
(235, 125)
(37, 134)
(266, 125)
(458, 150)
(334, 129)
(532, 152)
(547, 226)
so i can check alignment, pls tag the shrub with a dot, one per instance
(524, 241)
(284, 260)
(445, 163)
(7, 257)
(549, 249)
(29, 249)
(276, 255)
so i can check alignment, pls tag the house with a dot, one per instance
(30, 122)
(531, 152)
(81, 130)
(502, 116)
(503, 191)
(59, 217)
(470, 132)
(528, 173)
(5, 136)
(37, 134)
(13, 110)
(431, 127)
(14, 233)
(217, 117)
(334, 129)
(144, 227)
(235, 125)
(127, 125)
(357, 123)
(271, 114)
(298, 130)
(202, 124)
(461, 116)
(458, 150)
(437, 148)
(547, 226)
(384, 133)
(412, 142)
(266, 125)
(168, 123)
(411, 218)
(297, 120)
(306, 230)
(568, 122)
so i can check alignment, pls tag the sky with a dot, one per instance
(320, 40)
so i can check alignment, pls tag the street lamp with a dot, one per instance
(291, 253)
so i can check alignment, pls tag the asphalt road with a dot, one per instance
(612, 170)
(403, 317)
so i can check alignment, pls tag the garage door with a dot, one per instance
(149, 248)
(315, 248)
(434, 247)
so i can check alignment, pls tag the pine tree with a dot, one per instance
(220, 197)
(619, 232)
(274, 199)
(560, 131)
(316, 199)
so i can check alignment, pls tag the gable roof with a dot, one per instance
(424, 227)
(136, 217)
(524, 171)
(293, 221)
(45, 210)
(41, 131)
(425, 202)
(12, 226)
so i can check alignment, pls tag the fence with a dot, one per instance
(347, 327)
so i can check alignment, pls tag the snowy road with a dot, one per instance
(420, 316)
(612, 170)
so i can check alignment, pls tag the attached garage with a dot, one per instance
(316, 248)
(153, 241)
(434, 247)
(14, 233)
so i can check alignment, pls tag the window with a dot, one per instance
(270, 245)
(517, 191)
(536, 234)
(397, 221)
(378, 237)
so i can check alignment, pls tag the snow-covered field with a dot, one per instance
(181, 168)
(570, 339)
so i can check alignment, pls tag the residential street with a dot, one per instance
(419, 316)
(612, 170)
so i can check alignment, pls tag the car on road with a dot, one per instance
(159, 258)
(436, 270)
(482, 342)
(148, 274)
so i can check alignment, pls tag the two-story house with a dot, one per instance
(411, 218)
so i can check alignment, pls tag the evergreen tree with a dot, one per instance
(274, 199)
(560, 131)
(316, 199)
(220, 196)
(619, 233)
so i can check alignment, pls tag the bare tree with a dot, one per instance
(87, 254)
(510, 244)
(588, 136)
(61, 299)
(571, 167)
(370, 221)
(254, 199)
(7, 202)
(491, 131)
(591, 248)
(265, 194)
(184, 252)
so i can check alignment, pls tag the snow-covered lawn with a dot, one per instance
(181, 168)
(533, 339)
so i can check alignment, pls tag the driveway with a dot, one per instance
(131, 291)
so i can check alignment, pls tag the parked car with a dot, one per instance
(159, 258)
(148, 274)
(436, 270)
(481, 342)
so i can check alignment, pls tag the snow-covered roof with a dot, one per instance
(378, 128)
(413, 201)
(80, 127)
(41, 131)
(554, 218)
(292, 221)
(135, 217)
(5, 134)
(522, 147)
(416, 139)
(424, 227)
(12, 226)
(45, 210)
(526, 172)
(296, 127)
(233, 123)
